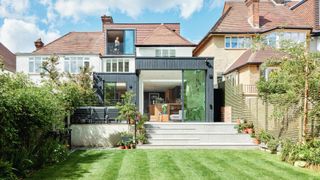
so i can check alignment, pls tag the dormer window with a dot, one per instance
(120, 42)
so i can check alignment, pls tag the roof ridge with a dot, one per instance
(179, 35)
(53, 41)
(170, 30)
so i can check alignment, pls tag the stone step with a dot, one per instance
(189, 127)
(199, 146)
(200, 139)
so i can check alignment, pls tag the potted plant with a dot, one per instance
(141, 138)
(255, 139)
(249, 128)
(121, 144)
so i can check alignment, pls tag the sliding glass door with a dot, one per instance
(194, 95)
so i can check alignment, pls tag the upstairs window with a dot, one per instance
(120, 42)
(165, 53)
(273, 39)
(116, 65)
(73, 64)
(235, 42)
(35, 64)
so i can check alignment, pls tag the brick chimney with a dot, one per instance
(38, 44)
(253, 12)
(105, 21)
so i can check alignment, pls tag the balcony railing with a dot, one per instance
(249, 89)
(112, 49)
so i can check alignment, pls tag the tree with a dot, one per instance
(295, 84)
(127, 109)
(1, 63)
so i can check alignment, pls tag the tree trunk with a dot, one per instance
(305, 103)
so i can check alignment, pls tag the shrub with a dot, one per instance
(264, 136)
(6, 170)
(309, 152)
(272, 145)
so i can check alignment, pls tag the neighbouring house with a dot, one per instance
(9, 59)
(237, 64)
(151, 59)
(309, 11)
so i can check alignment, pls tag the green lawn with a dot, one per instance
(173, 164)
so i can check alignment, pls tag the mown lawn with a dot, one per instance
(173, 164)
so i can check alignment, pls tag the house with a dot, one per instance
(309, 11)
(238, 65)
(240, 23)
(8, 58)
(151, 59)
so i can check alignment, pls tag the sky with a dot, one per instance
(24, 21)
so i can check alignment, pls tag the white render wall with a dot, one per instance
(95, 135)
(315, 44)
(22, 64)
(151, 51)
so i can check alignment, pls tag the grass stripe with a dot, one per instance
(162, 166)
(135, 166)
(191, 167)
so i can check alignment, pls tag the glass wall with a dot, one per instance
(194, 95)
(113, 92)
(120, 42)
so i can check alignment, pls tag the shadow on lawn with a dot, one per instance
(77, 164)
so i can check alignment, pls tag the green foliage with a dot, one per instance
(127, 109)
(272, 145)
(296, 79)
(1, 64)
(309, 152)
(27, 114)
(51, 70)
(264, 136)
(6, 171)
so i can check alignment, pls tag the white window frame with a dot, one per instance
(246, 41)
(34, 59)
(79, 60)
(117, 61)
(170, 52)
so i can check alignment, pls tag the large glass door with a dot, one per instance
(194, 82)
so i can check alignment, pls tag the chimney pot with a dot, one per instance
(253, 12)
(105, 21)
(38, 44)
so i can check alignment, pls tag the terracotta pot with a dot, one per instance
(250, 130)
(245, 131)
(256, 141)
(121, 147)
(126, 147)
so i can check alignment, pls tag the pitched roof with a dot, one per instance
(162, 35)
(309, 11)
(235, 20)
(8, 57)
(143, 30)
(94, 42)
(253, 57)
(75, 43)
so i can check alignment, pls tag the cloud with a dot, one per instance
(76, 9)
(216, 4)
(10, 8)
(19, 35)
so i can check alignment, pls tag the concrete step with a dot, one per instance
(192, 135)
(216, 139)
(199, 146)
(189, 127)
